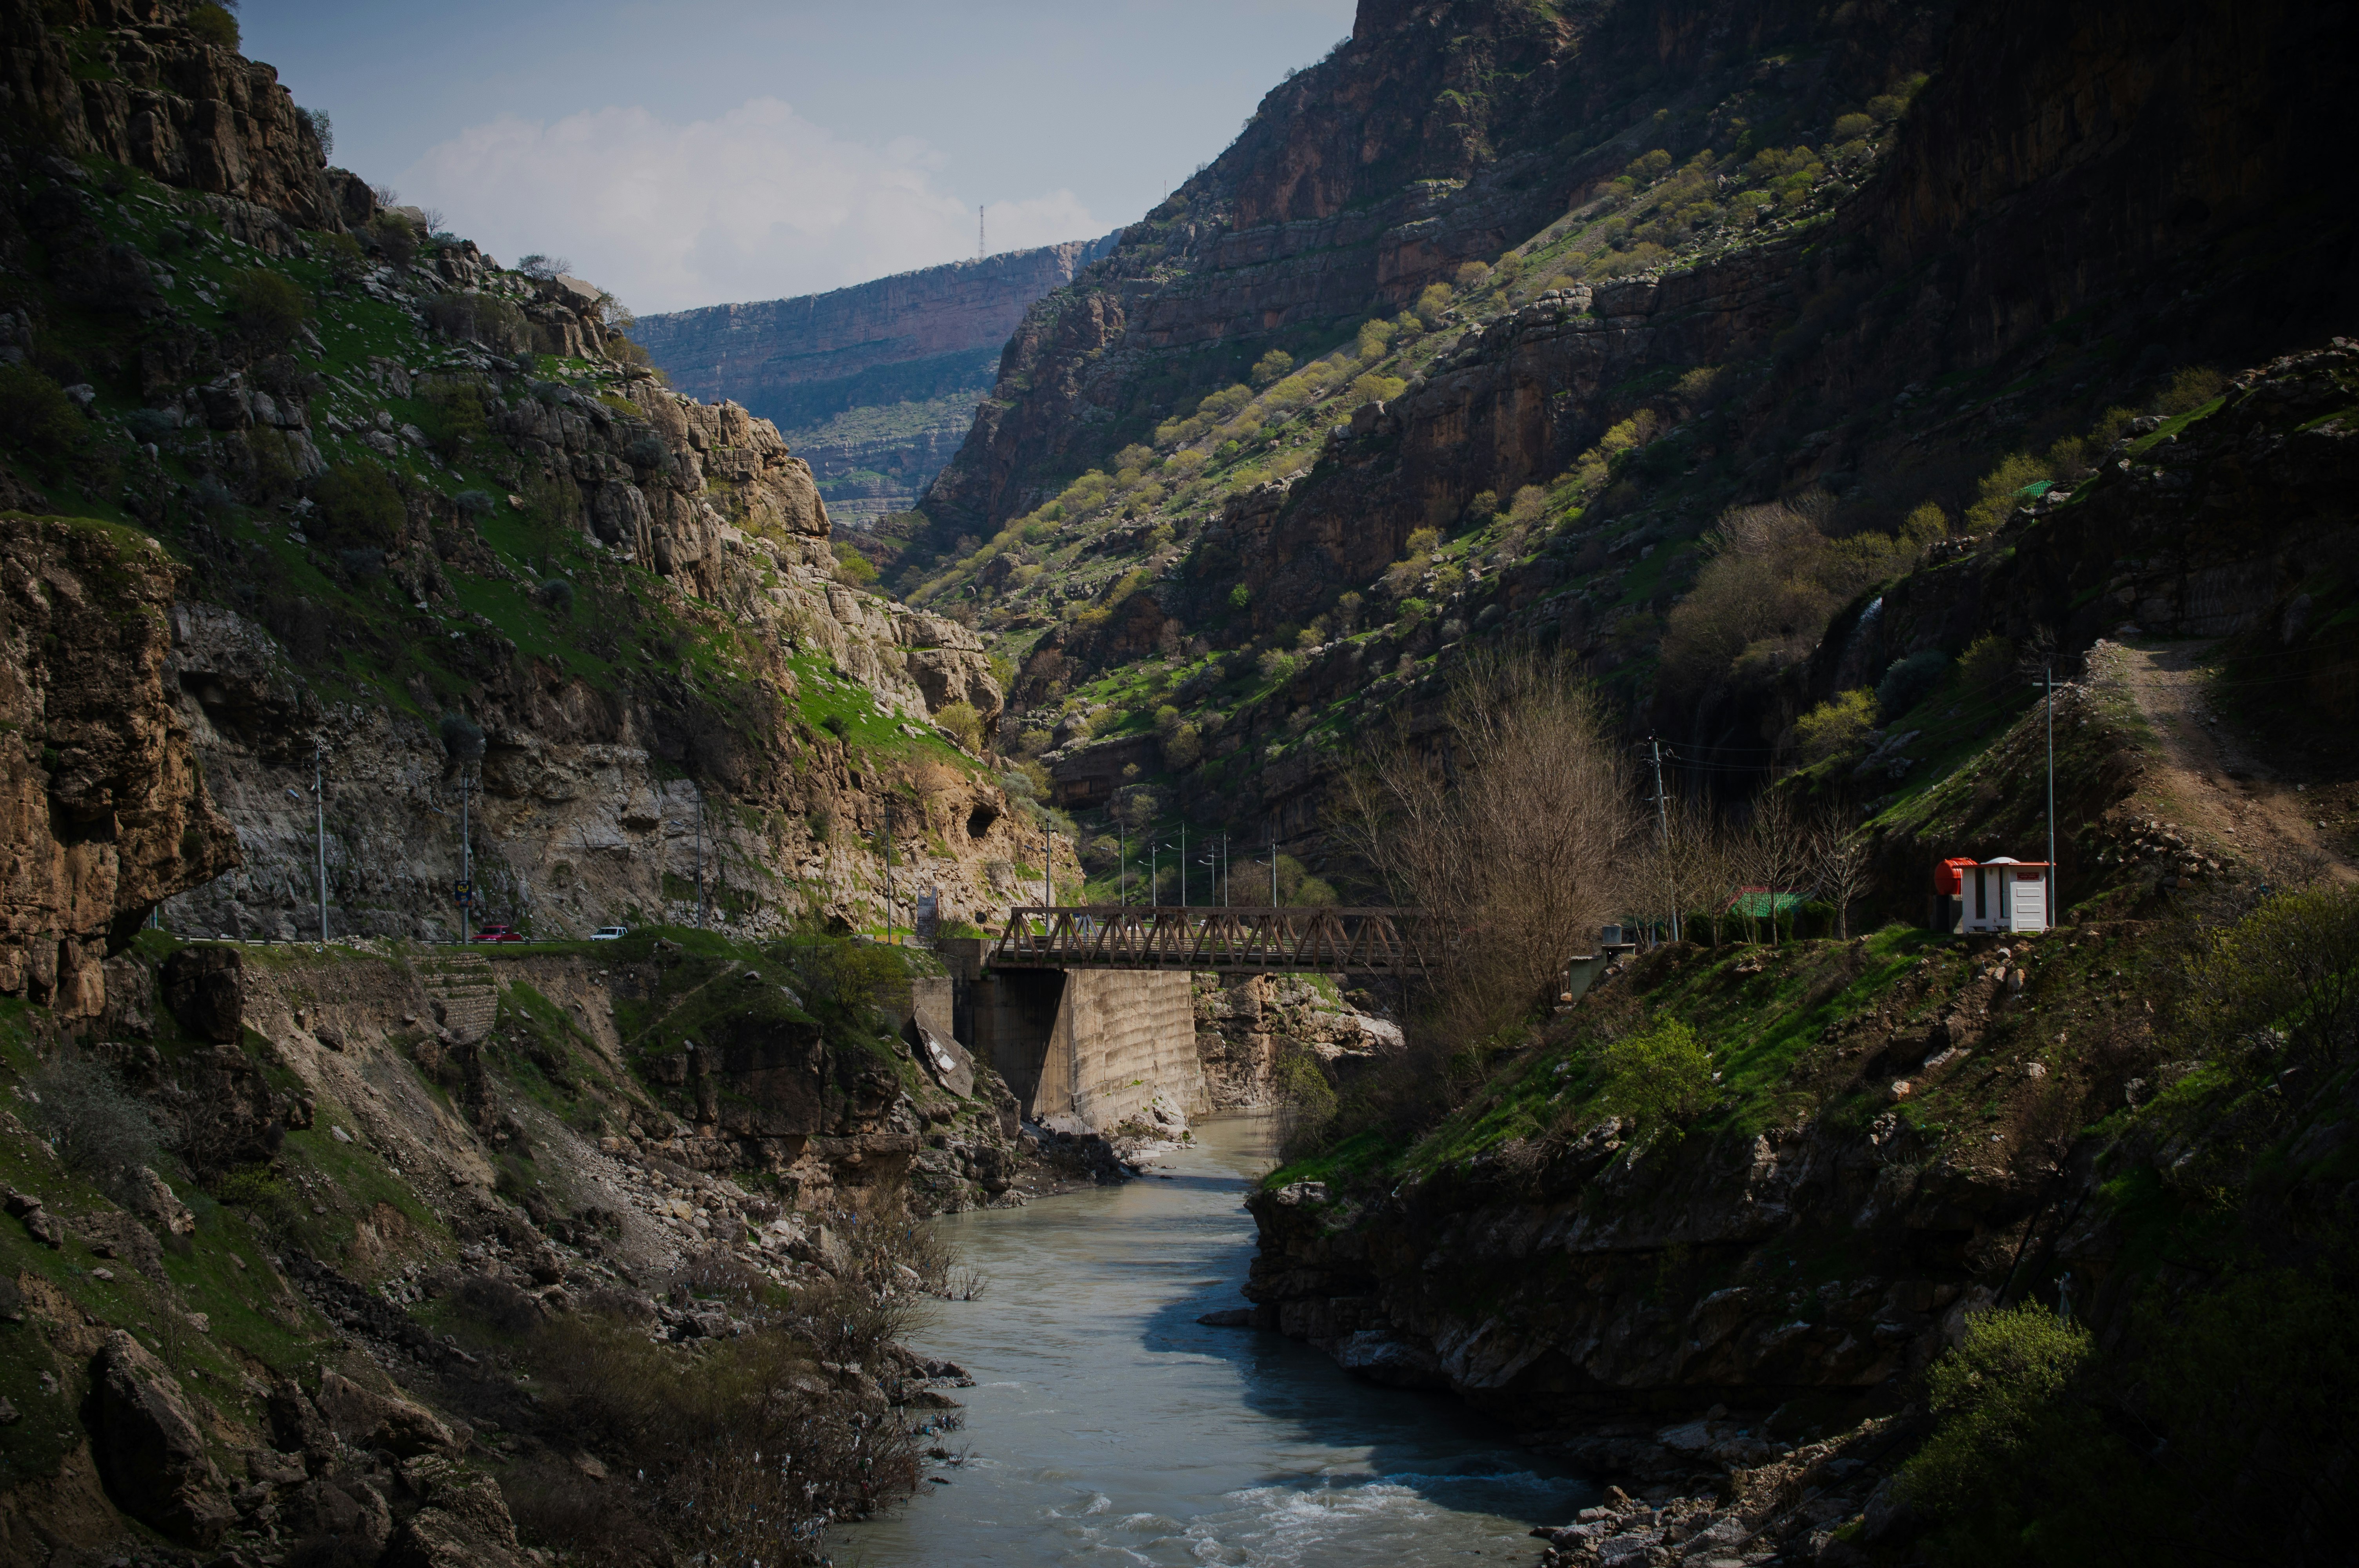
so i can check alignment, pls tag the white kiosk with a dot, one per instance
(2003, 895)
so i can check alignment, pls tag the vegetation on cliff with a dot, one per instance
(392, 1254)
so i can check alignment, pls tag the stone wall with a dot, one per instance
(1086, 1050)
(1130, 1036)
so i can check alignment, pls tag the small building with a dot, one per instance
(2000, 894)
(1762, 903)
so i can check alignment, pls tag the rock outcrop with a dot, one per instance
(130, 80)
(150, 1451)
(1244, 1022)
(106, 813)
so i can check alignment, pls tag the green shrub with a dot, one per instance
(1988, 661)
(2000, 491)
(1836, 727)
(1271, 366)
(2191, 389)
(36, 415)
(395, 237)
(552, 509)
(1431, 303)
(1907, 681)
(356, 504)
(2290, 967)
(462, 737)
(1852, 127)
(846, 983)
(269, 309)
(556, 596)
(851, 567)
(345, 260)
(962, 720)
(1999, 1401)
(213, 24)
(1663, 1074)
(1306, 1100)
(97, 1127)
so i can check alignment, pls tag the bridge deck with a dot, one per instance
(1118, 937)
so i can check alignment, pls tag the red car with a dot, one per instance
(496, 933)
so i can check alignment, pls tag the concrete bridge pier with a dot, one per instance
(1086, 1047)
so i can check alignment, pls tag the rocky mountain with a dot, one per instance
(1486, 321)
(874, 385)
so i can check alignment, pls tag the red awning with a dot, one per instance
(1947, 878)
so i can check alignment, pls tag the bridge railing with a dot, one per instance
(1121, 936)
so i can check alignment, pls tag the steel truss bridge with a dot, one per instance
(1236, 939)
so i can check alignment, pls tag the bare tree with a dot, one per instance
(1841, 863)
(1516, 837)
(1702, 861)
(1774, 855)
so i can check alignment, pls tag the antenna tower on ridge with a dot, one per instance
(978, 233)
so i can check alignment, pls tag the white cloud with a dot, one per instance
(756, 204)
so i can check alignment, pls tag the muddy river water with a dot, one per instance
(1107, 1426)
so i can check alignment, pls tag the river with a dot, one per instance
(1107, 1426)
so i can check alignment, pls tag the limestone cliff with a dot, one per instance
(108, 812)
(1688, 261)
(128, 80)
(876, 382)
(449, 546)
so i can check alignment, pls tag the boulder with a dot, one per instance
(149, 1451)
(372, 1420)
(152, 1198)
(463, 1523)
(205, 990)
(345, 1515)
(296, 1426)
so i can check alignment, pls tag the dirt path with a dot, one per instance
(2211, 782)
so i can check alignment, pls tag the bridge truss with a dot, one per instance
(1241, 939)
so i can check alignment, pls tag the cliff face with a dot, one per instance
(125, 80)
(2041, 219)
(434, 504)
(874, 382)
(1436, 134)
(106, 813)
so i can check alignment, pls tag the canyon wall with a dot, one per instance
(876, 384)
(123, 80)
(105, 810)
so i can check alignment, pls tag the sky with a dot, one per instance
(697, 152)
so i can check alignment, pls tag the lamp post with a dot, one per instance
(319, 822)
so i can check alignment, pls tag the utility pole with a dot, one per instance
(2050, 671)
(889, 868)
(1183, 862)
(1153, 873)
(1048, 874)
(1663, 820)
(1122, 863)
(466, 862)
(978, 233)
(1273, 863)
(319, 807)
(700, 856)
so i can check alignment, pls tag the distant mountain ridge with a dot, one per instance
(876, 384)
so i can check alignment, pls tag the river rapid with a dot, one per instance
(1107, 1426)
